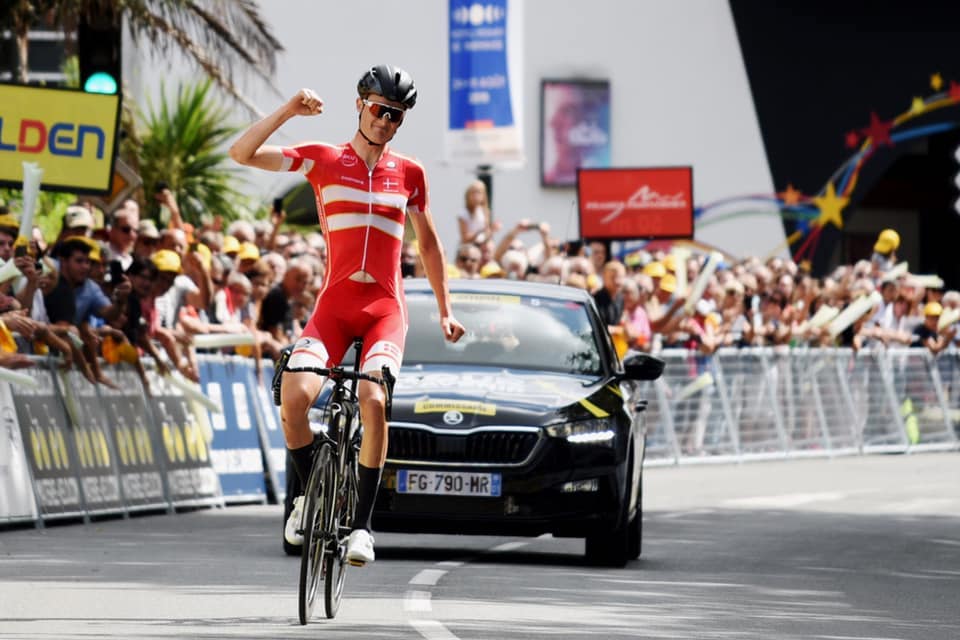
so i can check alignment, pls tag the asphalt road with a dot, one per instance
(841, 549)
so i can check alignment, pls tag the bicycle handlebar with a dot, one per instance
(339, 373)
(335, 373)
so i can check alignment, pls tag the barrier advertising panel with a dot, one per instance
(49, 442)
(134, 439)
(94, 446)
(271, 434)
(190, 477)
(235, 450)
(17, 503)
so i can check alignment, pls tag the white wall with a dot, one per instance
(679, 97)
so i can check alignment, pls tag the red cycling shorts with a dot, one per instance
(348, 310)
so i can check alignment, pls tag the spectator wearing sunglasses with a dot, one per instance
(122, 235)
(468, 260)
(365, 192)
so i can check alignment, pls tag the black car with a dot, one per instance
(530, 424)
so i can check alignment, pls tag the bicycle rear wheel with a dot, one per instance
(315, 517)
(343, 506)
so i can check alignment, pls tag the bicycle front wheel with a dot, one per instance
(343, 505)
(315, 517)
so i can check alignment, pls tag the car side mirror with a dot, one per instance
(642, 366)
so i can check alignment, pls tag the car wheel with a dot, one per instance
(293, 490)
(612, 548)
(608, 548)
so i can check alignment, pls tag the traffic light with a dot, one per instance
(98, 53)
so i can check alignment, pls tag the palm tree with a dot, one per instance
(216, 35)
(181, 143)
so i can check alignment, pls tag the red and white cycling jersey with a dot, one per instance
(362, 210)
(362, 213)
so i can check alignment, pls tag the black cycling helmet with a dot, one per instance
(393, 83)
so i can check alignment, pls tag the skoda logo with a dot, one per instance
(452, 417)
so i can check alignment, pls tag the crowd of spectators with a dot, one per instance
(125, 288)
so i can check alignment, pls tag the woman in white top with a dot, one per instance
(475, 223)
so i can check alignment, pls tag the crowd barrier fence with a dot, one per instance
(756, 403)
(70, 449)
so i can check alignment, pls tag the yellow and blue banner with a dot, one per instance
(70, 134)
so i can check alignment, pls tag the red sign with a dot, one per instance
(636, 203)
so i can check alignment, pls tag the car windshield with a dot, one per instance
(521, 332)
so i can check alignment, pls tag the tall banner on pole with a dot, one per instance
(486, 83)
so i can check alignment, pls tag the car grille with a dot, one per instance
(499, 447)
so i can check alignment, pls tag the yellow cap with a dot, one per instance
(932, 309)
(668, 283)
(889, 240)
(206, 256)
(230, 245)
(247, 251)
(94, 247)
(655, 270)
(7, 221)
(166, 260)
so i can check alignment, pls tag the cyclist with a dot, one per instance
(364, 190)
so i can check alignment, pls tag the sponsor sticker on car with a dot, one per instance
(463, 406)
(449, 483)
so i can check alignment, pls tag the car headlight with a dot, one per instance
(319, 420)
(583, 432)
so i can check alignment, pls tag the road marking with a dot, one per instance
(952, 543)
(418, 601)
(432, 630)
(680, 514)
(452, 564)
(428, 577)
(784, 501)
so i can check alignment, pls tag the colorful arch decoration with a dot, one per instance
(813, 212)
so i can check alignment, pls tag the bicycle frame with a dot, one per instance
(341, 441)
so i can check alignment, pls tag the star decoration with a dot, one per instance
(878, 131)
(918, 106)
(954, 91)
(936, 82)
(791, 197)
(830, 205)
(851, 139)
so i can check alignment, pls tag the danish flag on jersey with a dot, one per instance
(362, 210)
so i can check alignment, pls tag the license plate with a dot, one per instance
(448, 483)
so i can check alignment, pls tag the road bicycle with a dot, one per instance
(330, 496)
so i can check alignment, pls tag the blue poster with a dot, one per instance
(485, 118)
(479, 88)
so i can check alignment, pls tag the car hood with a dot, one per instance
(462, 398)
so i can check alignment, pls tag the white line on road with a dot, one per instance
(418, 601)
(428, 577)
(784, 501)
(451, 564)
(432, 630)
(681, 514)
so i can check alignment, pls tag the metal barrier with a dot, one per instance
(780, 402)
